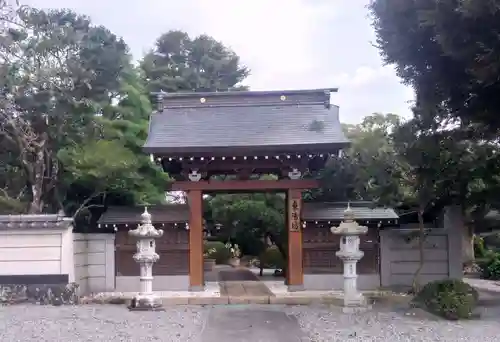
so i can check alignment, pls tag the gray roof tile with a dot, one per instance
(199, 129)
(34, 221)
(335, 212)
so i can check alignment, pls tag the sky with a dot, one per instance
(287, 44)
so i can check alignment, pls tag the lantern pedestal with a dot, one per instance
(146, 256)
(349, 231)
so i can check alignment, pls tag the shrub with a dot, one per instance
(490, 265)
(272, 258)
(218, 251)
(451, 299)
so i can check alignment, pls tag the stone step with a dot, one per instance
(242, 299)
(291, 298)
(228, 300)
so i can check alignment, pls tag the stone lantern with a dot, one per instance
(146, 256)
(349, 231)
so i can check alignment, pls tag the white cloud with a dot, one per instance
(363, 76)
(272, 37)
(368, 90)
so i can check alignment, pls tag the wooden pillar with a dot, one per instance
(295, 271)
(196, 281)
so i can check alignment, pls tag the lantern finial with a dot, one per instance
(348, 213)
(146, 216)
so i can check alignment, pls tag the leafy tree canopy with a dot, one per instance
(369, 169)
(181, 63)
(448, 51)
(73, 116)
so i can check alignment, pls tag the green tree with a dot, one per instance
(442, 49)
(114, 170)
(251, 219)
(370, 168)
(448, 51)
(443, 169)
(50, 82)
(181, 63)
(73, 116)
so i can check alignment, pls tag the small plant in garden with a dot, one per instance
(234, 249)
(490, 265)
(218, 251)
(451, 299)
(209, 252)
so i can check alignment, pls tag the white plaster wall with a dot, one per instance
(37, 252)
(94, 262)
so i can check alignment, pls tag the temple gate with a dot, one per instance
(225, 142)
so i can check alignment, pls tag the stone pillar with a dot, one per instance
(349, 231)
(196, 276)
(295, 269)
(146, 256)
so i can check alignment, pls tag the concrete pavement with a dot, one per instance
(251, 324)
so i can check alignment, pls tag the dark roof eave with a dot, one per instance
(138, 221)
(213, 151)
(170, 213)
(338, 219)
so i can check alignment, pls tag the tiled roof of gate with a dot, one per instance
(177, 213)
(257, 121)
(170, 213)
(334, 211)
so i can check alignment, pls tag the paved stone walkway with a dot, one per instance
(224, 323)
(241, 282)
(251, 324)
(237, 274)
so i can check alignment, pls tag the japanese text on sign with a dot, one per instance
(295, 217)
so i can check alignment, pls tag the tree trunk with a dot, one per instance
(37, 180)
(36, 205)
(421, 238)
(468, 246)
(261, 266)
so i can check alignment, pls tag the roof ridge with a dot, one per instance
(239, 104)
(237, 93)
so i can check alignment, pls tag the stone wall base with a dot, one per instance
(325, 282)
(160, 283)
(42, 294)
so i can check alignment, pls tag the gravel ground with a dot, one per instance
(331, 325)
(115, 323)
(99, 323)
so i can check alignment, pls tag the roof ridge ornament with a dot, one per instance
(159, 96)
